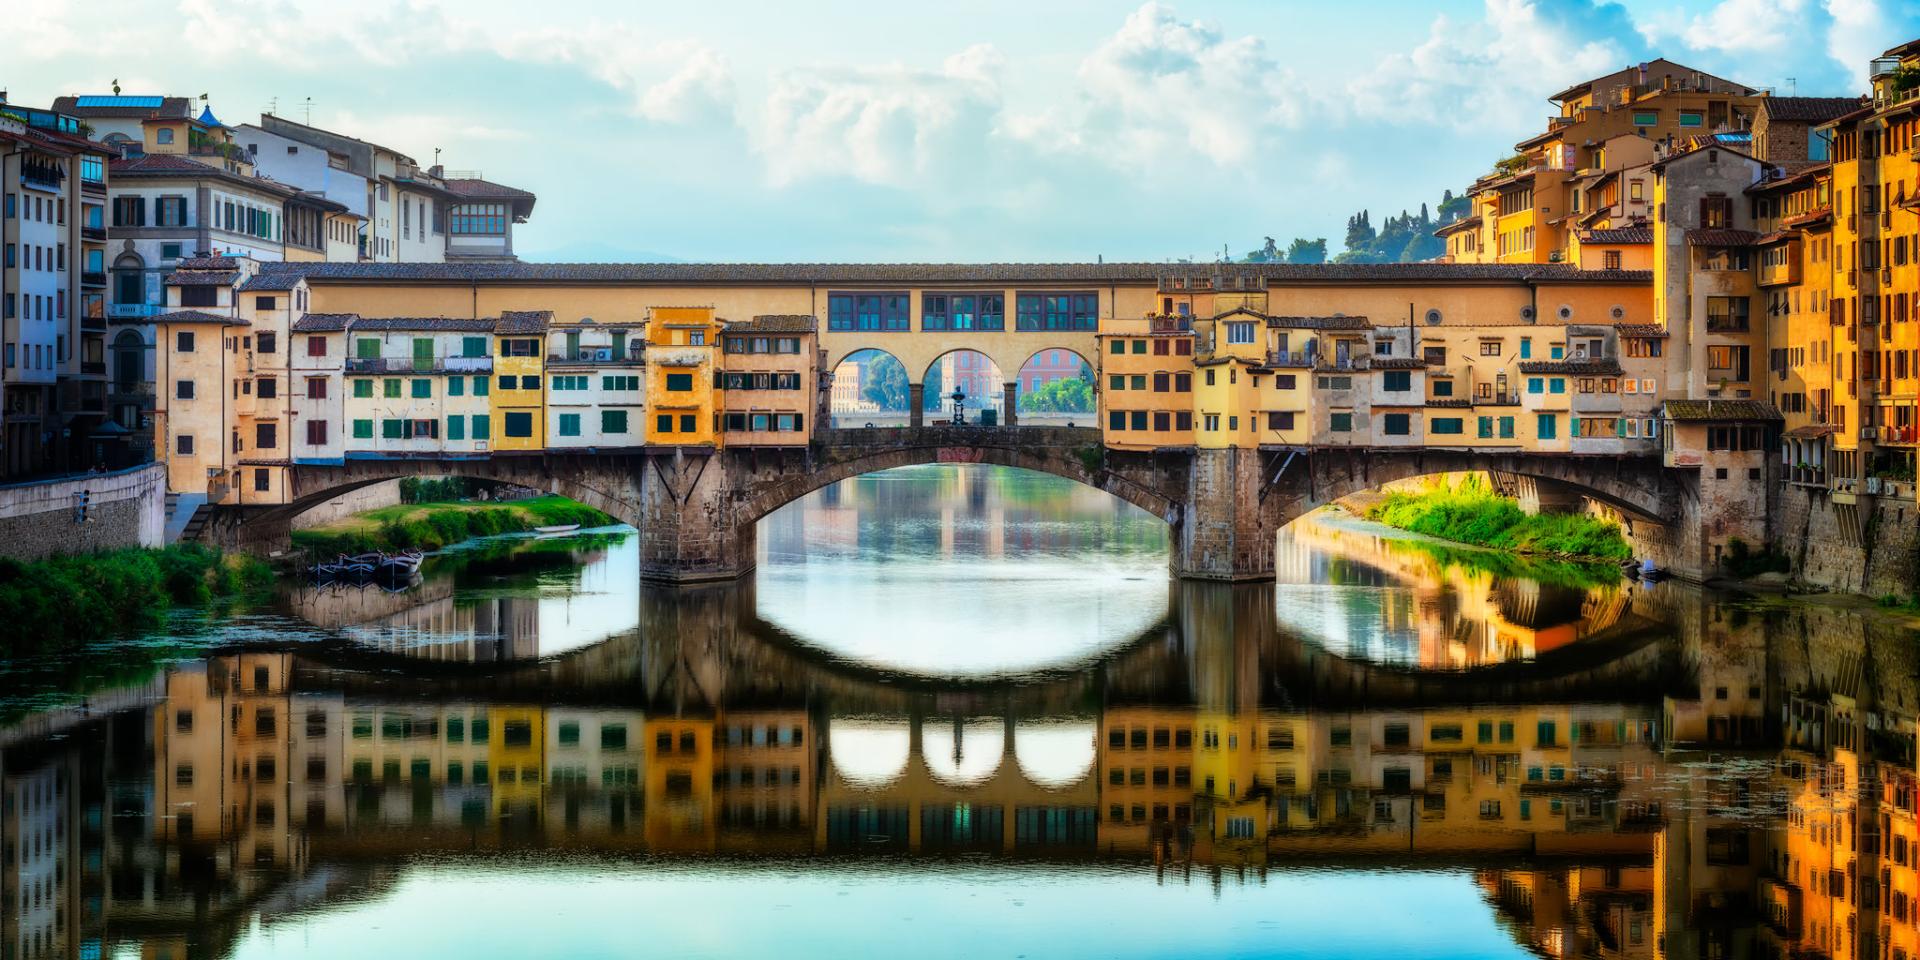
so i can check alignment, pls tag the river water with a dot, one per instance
(963, 712)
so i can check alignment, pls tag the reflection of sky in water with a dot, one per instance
(897, 910)
(962, 569)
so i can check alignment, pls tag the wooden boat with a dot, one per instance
(558, 528)
(402, 564)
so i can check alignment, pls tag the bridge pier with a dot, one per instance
(1010, 403)
(916, 404)
(689, 524)
(1224, 530)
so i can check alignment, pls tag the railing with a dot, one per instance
(93, 278)
(1175, 323)
(1291, 358)
(469, 364)
(94, 233)
(40, 178)
(131, 311)
(1896, 434)
(636, 353)
(1498, 400)
(1810, 475)
(93, 368)
(1341, 364)
(1724, 325)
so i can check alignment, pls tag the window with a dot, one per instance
(1398, 381)
(613, 421)
(422, 389)
(183, 390)
(687, 421)
(1447, 425)
(867, 311)
(363, 388)
(955, 311)
(476, 219)
(183, 342)
(1397, 424)
(390, 388)
(266, 436)
(518, 424)
(1546, 426)
(363, 429)
(1059, 311)
(316, 346)
(663, 423)
(680, 382)
(1239, 332)
(1340, 423)
(1280, 421)
(480, 422)
(183, 444)
(1727, 314)
(569, 425)
(316, 432)
(1646, 118)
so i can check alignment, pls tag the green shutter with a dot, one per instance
(367, 349)
(456, 428)
(473, 346)
(423, 353)
(363, 429)
(392, 429)
(481, 385)
(422, 389)
(363, 388)
(613, 421)
(456, 386)
(480, 426)
(392, 388)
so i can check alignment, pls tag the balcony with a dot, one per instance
(599, 357)
(132, 311)
(1807, 475)
(93, 278)
(1511, 399)
(1896, 434)
(83, 396)
(1728, 325)
(96, 234)
(1339, 364)
(1170, 323)
(468, 364)
(406, 365)
(46, 178)
(93, 368)
(1291, 358)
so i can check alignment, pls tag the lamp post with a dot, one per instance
(958, 396)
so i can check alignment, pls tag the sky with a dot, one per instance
(973, 130)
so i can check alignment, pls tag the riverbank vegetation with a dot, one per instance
(58, 603)
(430, 526)
(1470, 512)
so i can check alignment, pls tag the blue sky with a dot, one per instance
(975, 130)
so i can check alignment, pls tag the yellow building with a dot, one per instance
(517, 401)
(681, 391)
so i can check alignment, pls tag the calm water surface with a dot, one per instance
(962, 712)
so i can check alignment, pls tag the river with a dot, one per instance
(961, 711)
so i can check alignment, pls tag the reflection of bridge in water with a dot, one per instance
(273, 781)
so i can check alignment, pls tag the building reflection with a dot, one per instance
(1726, 785)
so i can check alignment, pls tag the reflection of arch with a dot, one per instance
(962, 754)
(870, 753)
(974, 371)
(1054, 753)
(129, 278)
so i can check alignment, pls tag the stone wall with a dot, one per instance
(126, 508)
(1866, 547)
(347, 504)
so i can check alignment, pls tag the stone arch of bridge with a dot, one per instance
(1637, 487)
(611, 491)
(773, 494)
(1031, 376)
(988, 390)
(851, 414)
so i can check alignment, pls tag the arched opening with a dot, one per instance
(1055, 388)
(869, 388)
(963, 386)
(962, 569)
(129, 282)
(129, 361)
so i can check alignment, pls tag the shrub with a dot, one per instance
(1472, 513)
(65, 601)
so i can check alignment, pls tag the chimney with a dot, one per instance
(436, 172)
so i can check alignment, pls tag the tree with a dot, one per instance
(1066, 395)
(1269, 253)
(1302, 250)
(1359, 232)
(883, 381)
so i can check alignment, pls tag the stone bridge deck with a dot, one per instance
(696, 508)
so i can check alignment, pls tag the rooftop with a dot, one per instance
(123, 106)
(425, 324)
(282, 275)
(1720, 410)
(523, 321)
(1808, 109)
(776, 323)
(1642, 330)
(198, 316)
(1620, 235)
(323, 322)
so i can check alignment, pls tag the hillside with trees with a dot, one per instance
(1405, 238)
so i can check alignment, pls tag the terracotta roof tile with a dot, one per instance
(868, 274)
(1695, 410)
(1720, 237)
(199, 316)
(1642, 330)
(476, 189)
(1620, 235)
(1321, 323)
(202, 278)
(523, 321)
(1814, 109)
(776, 323)
(1602, 367)
(1397, 363)
(323, 322)
(425, 324)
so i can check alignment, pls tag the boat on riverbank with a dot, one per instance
(556, 529)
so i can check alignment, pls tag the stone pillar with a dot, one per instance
(1010, 404)
(1222, 532)
(916, 402)
(687, 520)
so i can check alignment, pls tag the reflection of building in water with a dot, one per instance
(39, 913)
(680, 784)
(1446, 614)
(763, 781)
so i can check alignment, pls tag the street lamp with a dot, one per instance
(958, 396)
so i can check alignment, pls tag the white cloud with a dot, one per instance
(1161, 85)
(1495, 71)
(890, 125)
(1748, 26)
(669, 80)
(1861, 29)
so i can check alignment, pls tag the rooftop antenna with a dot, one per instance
(116, 86)
(273, 105)
(1793, 86)
(309, 112)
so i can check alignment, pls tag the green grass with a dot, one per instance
(62, 602)
(430, 526)
(1472, 513)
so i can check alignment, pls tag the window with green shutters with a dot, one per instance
(482, 427)
(1116, 381)
(473, 346)
(569, 424)
(613, 421)
(366, 348)
(393, 429)
(363, 388)
(1546, 426)
(480, 385)
(679, 382)
(456, 386)
(1486, 428)
(456, 428)
(519, 424)
(619, 383)
(363, 429)
(423, 353)
(422, 389)
(392, 388)
(1506, 428)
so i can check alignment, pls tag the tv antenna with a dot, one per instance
(307, 104)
